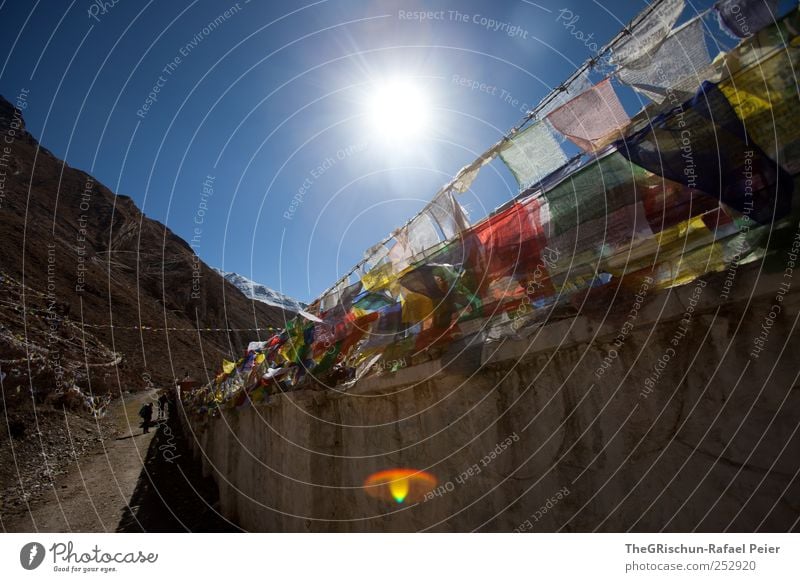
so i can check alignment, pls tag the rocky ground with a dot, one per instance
(67, 472)
(40, 449)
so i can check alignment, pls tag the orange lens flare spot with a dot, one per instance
(399, 490)
(399, 485)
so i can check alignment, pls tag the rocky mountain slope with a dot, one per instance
(94, 292)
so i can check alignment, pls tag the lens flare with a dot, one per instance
(399, 485)
(399, 489)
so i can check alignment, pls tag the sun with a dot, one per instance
(398, 110)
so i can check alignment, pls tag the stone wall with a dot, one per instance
(706, 440)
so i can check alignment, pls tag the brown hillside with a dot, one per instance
(55, 318)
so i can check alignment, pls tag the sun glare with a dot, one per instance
(398, 110)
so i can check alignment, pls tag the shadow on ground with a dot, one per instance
(171, 494)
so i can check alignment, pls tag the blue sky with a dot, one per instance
(272, 98)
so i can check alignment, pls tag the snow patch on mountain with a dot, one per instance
(262, 293)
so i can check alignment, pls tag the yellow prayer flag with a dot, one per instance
(228, 367)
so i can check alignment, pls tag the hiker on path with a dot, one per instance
(146, 412)
(162, 405)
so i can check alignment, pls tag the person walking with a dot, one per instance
(146, 412)
(162, 405)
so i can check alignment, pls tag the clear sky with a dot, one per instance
(266, 104)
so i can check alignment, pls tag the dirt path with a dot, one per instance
(134, 482)
(95, 493)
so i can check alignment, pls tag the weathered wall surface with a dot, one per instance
(711, 444)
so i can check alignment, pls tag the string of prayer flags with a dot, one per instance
(672, 201)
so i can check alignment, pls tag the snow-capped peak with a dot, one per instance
(262, 293)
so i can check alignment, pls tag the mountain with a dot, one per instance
(261, 292)
(94, 292)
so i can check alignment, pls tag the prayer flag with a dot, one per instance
(592, 119)
(743, 18)
(533, 154)
(648, 33)
(681, 57)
